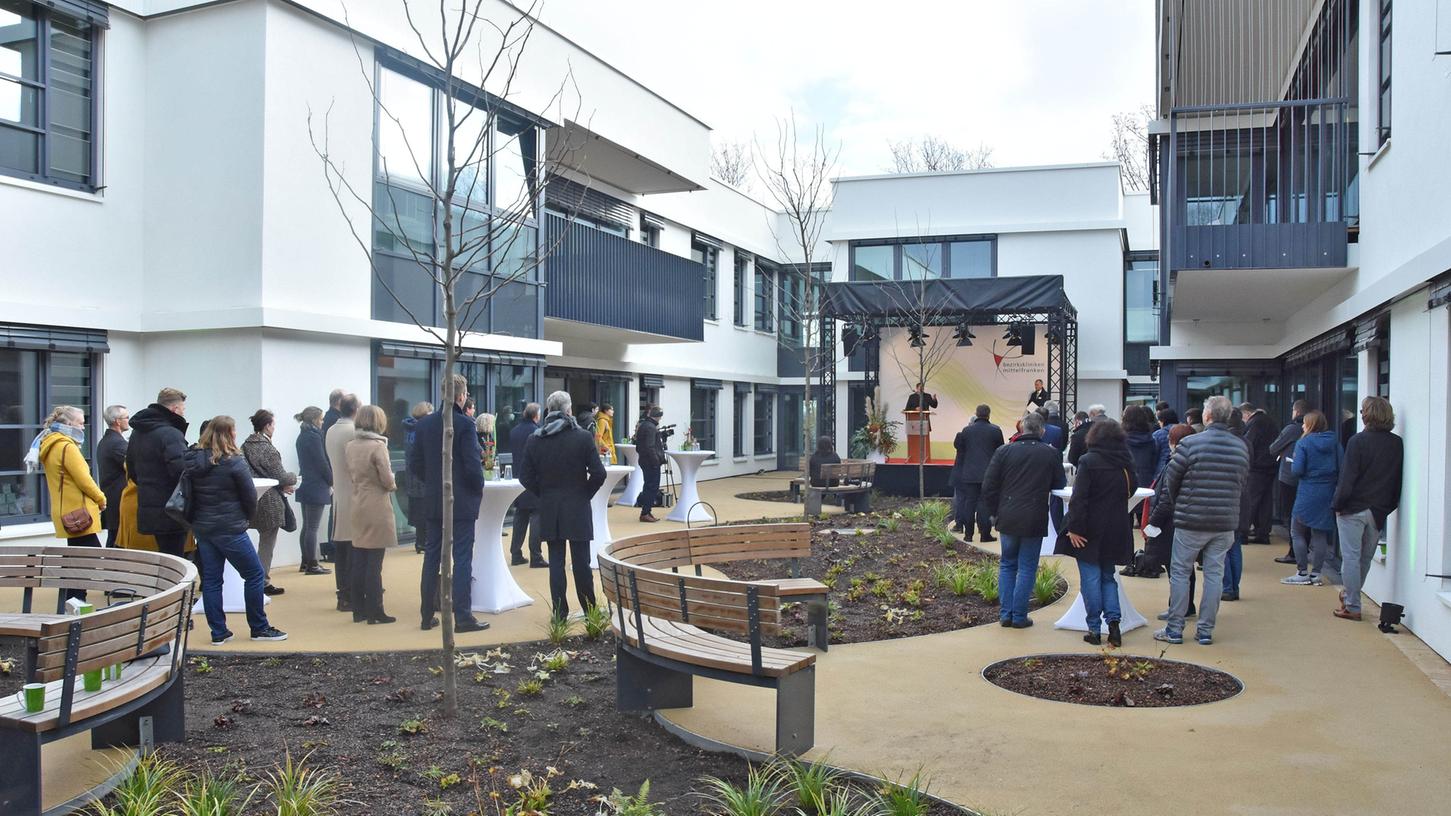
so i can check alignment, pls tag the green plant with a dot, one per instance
(832, 573)
(556, 661)
(956, 577)
(983, 578)
(882, 587)
(413, 726)
(1046, 584)
(574, 701)
(557, 629)
(534, 795)
(596, 622)
(890, 524)
(760, 796)
(811, 785)
(910, 799)
(208, 795)
(529, 688)
(201, 664)
(437, 807)
(148, 790)
(841, 802)
(298, 790)
(858, 589)
(495, 725)
(619, 804)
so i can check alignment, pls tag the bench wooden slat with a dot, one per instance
(137, 678)
(26, 625)
(102, 629)
(799, 586)
(704, 649)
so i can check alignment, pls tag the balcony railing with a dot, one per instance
(1261, 186)
(603, 279)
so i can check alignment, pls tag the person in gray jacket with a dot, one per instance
(1205, 481)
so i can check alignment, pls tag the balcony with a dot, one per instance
(603, 280)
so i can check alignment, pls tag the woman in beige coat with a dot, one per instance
(374, 528)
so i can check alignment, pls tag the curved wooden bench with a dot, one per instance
(146, 633)
(850, 481)
(666, 622)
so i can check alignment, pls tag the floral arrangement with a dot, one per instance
(486, 427)
(879, 435)
(688, 442)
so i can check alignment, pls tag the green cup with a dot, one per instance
(113, 672)
(34, 697)
(93, 680)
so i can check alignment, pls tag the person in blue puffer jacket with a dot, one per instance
(223, 501)
(1317, 464)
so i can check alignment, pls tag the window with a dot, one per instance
(764, 422)
(791, 305)
(738, 420)
(1141, 301)
(702, 415)
(873, 263)
(739, 312)
(707, 256)
(1383, 118)
(765, 297)
(48, 95)
(921, 261)
(31, 383)
(649, 232)
(961, 257)
(971, 259)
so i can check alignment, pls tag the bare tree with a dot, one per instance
(475, 240)
(731, 162)
(796, 173)
(1130, 147)
(927, 154)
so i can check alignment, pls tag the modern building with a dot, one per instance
(167, 218)
(1306, 235)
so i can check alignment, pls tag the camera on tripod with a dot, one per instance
(665, 432)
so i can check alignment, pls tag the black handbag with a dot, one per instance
(179, 506)
(289, 519)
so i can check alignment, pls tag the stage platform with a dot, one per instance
(898, 477)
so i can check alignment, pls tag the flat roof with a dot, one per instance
(981, 171)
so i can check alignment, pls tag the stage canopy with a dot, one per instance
(950, 298)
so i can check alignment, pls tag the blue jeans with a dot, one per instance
(214, 553)
(1099, 586)
(463, 569)
(1234, 564)
(1017, 569)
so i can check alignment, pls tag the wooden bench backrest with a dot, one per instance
(712, 603)
(850, 471)
(714, 545)
(89, 568)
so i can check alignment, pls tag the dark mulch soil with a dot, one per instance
(1112, 680)
(12, 658)
(883, 581)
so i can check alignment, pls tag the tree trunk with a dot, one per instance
(445, 550)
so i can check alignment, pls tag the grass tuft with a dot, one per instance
(760, 796)
(298, 790)
(557, 630)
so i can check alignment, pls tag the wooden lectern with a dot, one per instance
(918, 428)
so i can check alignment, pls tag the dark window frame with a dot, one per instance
(739, 311)
(710, 260)
(705, 417)
(1130, 258)
(944, 243)
(763, 420)
(765, 297)
(43, 392)
(1383, 62)
(42, 86)
(739, 399)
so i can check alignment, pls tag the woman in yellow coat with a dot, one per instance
(605, 431)
(73, 493)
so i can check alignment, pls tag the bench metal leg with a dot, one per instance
(816, 631)
(167, 715)
(643, 686)
(813, 503)
(20, 783)
(796, 712)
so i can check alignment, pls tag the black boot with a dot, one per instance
(1093, 639)
(379, 616)
(1115, 638)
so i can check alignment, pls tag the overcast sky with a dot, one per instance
(1036, 80)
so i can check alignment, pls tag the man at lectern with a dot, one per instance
(1040, 394)
(920, 400)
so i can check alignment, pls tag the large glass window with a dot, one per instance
(764, 422)
(873, 263)
(791, 305)
(1141, 306)
(702, 416)
(970, 259)
(765, 297)
(738, 422)
(738, 314)
(513, 389)
(921, 261)
(405, 130)
(31, 383)
(47, 95)
(1384, 63)
(708, 257)
(927, 259)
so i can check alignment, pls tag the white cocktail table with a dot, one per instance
(494, 589)
(688, 464)
(599, 507)
(637, 477)
(233, 591)
(1076, 616)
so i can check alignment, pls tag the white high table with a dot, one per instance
(636, 482)
(233, 592)
(1076, 618)
(494, 589)
(688, 463)
(599, 506)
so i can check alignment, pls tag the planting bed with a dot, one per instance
(1112, 679)
(889, 577)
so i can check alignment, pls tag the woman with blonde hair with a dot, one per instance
(374, 528)
(76, 501)
(223, 501)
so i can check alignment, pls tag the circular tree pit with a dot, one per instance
(1112, 679)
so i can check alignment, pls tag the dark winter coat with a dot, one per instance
(562, 468)
(329, 419)
(518, 439)
(1039, 397)
(1161, 442)
(317, 471)
(468, 465)
(111, 467)
(266, 463)
(155, 459)
(224, 499)
(1053, 435)
(648, 445)
(1283, 448)
(813, 467)
(1017, 485)
(1161, 515)
(921, 402)
(1317, 463)
(1078, 442)
(1099, 508)
(1370, 477)
(1259, 435)
(1205, 479)
(1145, 453)
(975, 446)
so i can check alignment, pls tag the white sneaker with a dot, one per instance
(1316, 580)
(1300, 579)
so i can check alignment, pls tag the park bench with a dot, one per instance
(666, 626)
(850, 481)
(146, 633)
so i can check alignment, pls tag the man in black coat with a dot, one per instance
(1283, 449)
(1015, 491)
(975, 446)
(425, 462)
(562, 468)
(525, 507)
(920, 400)
(1259, 494)
(332, 415)
(155, 458)
(651, 450)
(111, 466)
(1040, 394)
(1078, 440)
(1369, 490)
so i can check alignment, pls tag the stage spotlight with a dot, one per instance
(1012, 336)
(916, 339)
(963, 335)
(850, 339)
(1022, 336)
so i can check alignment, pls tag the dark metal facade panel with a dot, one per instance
(1259, 246)
(598, 278)
(52, 338)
